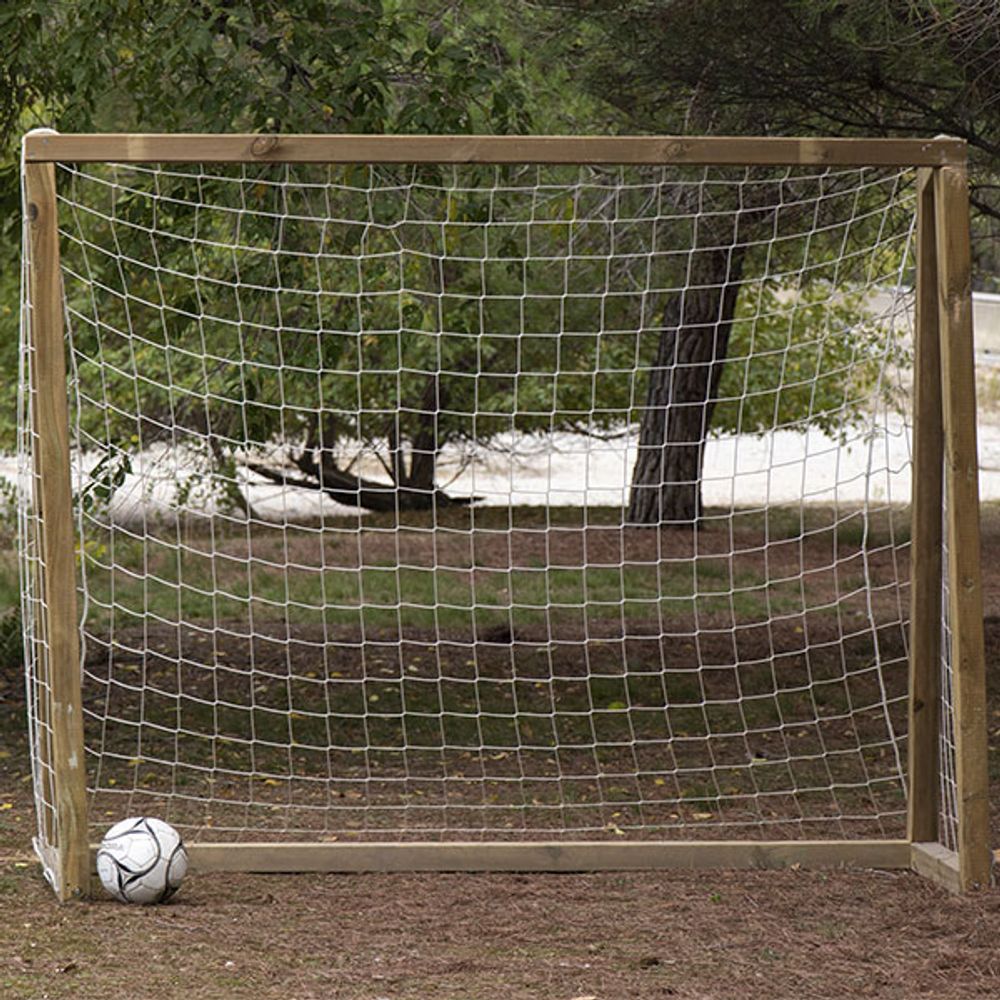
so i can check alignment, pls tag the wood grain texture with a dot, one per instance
(936, 862)
(926, 532)
(962, 483)
(546, 856)
(246, 148)
(52, 466)
(41, 682)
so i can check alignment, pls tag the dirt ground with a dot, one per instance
(641, 936)
(405, 937)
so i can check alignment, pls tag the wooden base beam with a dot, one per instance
(930, 860)
(547, 856)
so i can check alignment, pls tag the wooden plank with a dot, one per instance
(962, 483)
(548, 856)
(925, 532)
(248, 148)
(52, 466)
(41, 683)
(936, 862)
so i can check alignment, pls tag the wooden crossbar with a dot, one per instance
(718, 150)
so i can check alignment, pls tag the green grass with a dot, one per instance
(462, 590)
(386, 595)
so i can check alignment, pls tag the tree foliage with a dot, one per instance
(296, 307)
(826, 67)
(222, 65)
(435, 66)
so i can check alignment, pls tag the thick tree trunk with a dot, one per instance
(683, 387)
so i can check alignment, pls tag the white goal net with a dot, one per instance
(475, 502)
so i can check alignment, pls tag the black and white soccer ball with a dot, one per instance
(142, 860)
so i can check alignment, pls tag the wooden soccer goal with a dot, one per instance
(503, 503)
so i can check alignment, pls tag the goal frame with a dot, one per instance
(944, 463)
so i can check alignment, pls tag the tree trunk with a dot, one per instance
(412, 486)
(356, 491)
(425, 441)
(683, 386)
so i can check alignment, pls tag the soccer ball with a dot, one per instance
(142, 860)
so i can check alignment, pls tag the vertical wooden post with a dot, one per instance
(925, 532)
(52, 469)
(962, 480)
